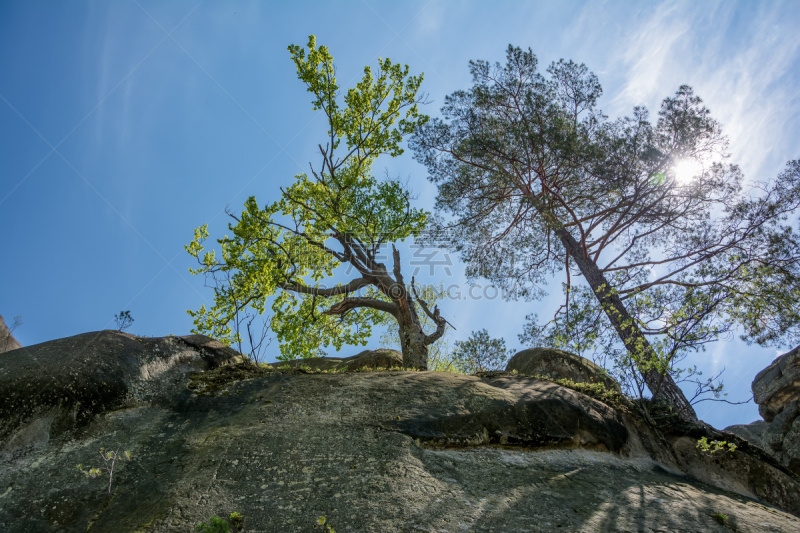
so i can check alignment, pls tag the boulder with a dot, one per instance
(519, 411)
(558, 364)
(7, 340)
(778, 385)
(390, 451)
(751, 432)
(60, 385)
(776, 390)
(372, 359)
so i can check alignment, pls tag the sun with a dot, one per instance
(687, 169)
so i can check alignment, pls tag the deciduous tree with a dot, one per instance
(339, 215)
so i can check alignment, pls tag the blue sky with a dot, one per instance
(126, 124)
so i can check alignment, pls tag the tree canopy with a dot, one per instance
(284, 253)
(480, 353)
(538, 181)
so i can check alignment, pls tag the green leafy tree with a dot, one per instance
(538, 181)
(340, 215)
(480, 353)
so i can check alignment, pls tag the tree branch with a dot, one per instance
(362, 301)
(325, 293)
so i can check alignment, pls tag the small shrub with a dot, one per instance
(324, 525)
(123, 320)
(216, 524)
(598, 391)
(109, 459)
(715, 446)
(720, 518)
(237, 521)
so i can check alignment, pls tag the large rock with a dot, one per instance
(61, 385)
(371, 359)
(558, 364)
(778, 385)
(7, 340)
(776, 390)
(383, 451)
(751, 432)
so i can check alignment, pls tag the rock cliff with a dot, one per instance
(776, 390)
(778, 385)
(375, 450)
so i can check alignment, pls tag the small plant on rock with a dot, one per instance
(324, 525)
(715, 446)
(237, 521)
(216, 524)
(110, 459)
(123, 320)
(720, 518)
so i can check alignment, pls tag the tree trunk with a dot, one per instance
(662, 386)
(415, 350)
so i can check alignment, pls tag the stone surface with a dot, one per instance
(63, 384)
(7, 340)
(742, 473)
(776, 390)
(791, 447)
(372, 359)
(381, 452)
(751, 432)
(558, 364)
(517, 411)
(778, 385)
(776, 431)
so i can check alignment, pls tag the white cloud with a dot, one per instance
(739, 69)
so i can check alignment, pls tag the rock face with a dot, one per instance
(63, 384)
(558, 364)
(776, 390)
(778, 385)
(385, 451)
(7, 340)
(372, 359)
(751, 432)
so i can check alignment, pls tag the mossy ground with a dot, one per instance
(216, 381)
(598, 391)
